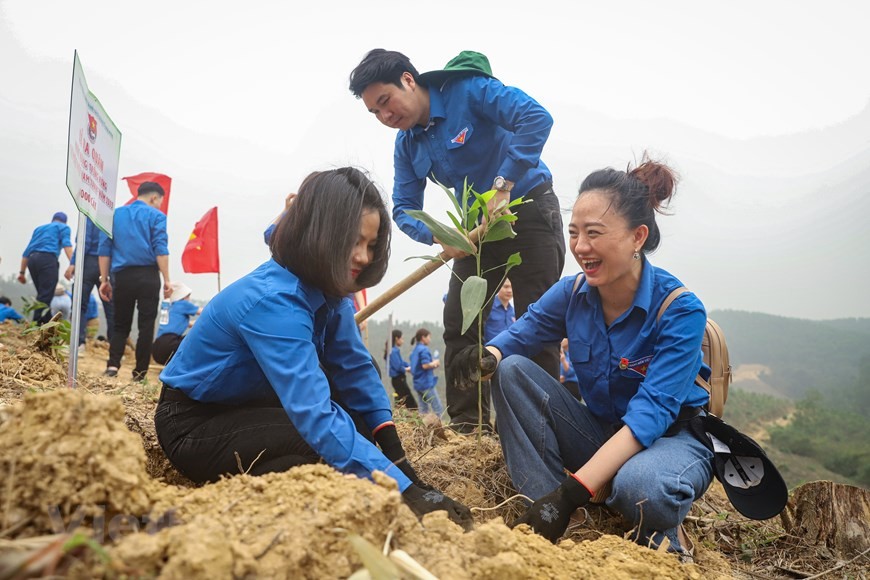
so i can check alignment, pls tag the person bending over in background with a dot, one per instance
(274, 373)
(40, 259)
(636, 375)
(170, 335)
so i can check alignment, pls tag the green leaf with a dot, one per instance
(445, 234)
(427, 258)
(505, 217)
(471, 222)
(455, 221)
(472, 297)
(499, 231)
(513, 260)
(518, 201)
(450, 195)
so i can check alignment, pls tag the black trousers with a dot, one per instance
(43, 268)
(165, 346)
(136, 286)
(89, 270)
(403, 393)
(202, 439)
(541, 245)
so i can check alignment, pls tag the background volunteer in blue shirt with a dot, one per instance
(461, 124)
(170, 335)
(40, 258)
(136, 256)
(88, 267)
(398, 370)
(6, 310)
(274, 373)
(502, 314)
(636, 375)
(423, 369)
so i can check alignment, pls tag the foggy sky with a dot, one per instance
(761, 107)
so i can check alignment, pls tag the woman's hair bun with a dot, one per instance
(660, 180)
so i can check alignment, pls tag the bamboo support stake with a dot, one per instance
(410, 280)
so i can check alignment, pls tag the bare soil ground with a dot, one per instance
(87, 492)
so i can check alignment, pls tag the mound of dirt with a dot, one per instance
(66, 455)
(70, 449)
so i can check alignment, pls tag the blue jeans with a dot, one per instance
(544, 429)
(430, 402)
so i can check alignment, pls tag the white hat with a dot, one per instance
(179, 291)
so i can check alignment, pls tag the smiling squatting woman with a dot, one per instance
(636, 376)
(275, 369)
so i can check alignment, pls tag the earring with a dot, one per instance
(636, 255)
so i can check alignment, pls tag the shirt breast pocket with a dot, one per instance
(422, 164)
(461, 136)
(579, 353)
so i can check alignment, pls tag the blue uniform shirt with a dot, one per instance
(140, 236)
(93, 237)
(478, 129)
(635, 371)
(179, 317)
(397, 365)
(500, 319)
(8, 313)
(50, 238)
(269, 332)
(424, 379)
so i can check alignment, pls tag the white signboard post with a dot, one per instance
(91, 177)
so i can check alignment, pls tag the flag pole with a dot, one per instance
(219, 282)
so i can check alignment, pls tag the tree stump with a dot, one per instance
(833, 515)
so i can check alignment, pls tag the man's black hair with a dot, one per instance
(150, 187)
(381, 66)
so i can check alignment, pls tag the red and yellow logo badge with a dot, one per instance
(92, 128)
(461, 137)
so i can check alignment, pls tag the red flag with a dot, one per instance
(201, 252)
(134, 181)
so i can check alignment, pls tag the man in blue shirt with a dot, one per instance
(461, 124)
(41, 259)
(89, 269)
(136, 257)
(7, 312)
(502, 315)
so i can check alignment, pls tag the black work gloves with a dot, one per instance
(387, 439)
(467, 366)
(422, 501)
(549, 516)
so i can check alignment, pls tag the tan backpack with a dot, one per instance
(715, 355)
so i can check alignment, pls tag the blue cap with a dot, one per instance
(59, 217)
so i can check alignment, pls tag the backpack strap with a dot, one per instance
(699, 380)
(671, 297)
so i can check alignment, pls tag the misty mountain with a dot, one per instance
(797, 355)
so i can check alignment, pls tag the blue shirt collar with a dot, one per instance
(436, 111)
(642, 297)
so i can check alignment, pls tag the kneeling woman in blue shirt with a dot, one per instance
(274, 373)
(636, 375)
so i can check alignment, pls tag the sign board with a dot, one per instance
(93, 154)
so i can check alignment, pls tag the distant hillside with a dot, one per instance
(798, 355)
